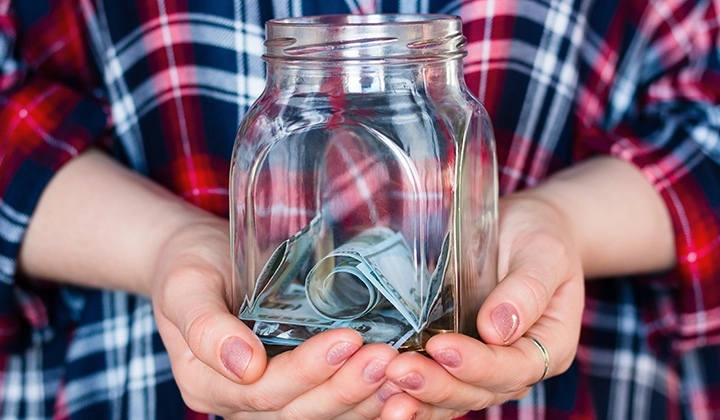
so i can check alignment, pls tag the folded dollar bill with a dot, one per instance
(371, 283)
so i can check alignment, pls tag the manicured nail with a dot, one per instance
(386, 391)
(236, 355)
(374, 371)
(340, 352)
(505, 319)
(448, 357)
(412, 381)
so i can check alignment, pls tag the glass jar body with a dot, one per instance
(364, 195)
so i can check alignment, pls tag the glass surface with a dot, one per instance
(364, 190)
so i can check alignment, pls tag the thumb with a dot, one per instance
(535, 271)
(213, 334)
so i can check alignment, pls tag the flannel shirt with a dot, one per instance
(163, 85)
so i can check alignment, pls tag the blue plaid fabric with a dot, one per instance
(163, 84)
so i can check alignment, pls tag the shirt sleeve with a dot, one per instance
(670, 129)
(48, 115)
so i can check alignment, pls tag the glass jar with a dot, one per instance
(364, 184)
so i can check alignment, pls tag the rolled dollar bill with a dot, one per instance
(391, 266)
(337, 289)
(373, 273)
(348, 282)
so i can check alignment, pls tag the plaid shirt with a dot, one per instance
(163, 84)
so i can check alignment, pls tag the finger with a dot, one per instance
(396, 404)
(558, 330)
(287, 376)
(539, 265)
(206, 391)
(293, 373)
(196, 305)
(427, 381)
(497, 369)
(403, 406)
(350, 392)
(368, 409)
(203, 389)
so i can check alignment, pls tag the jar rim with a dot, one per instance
(355, 37)
(375, 19)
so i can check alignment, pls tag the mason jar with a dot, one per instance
(364, 184)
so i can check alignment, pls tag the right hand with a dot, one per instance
(219, 364)
(541, 293)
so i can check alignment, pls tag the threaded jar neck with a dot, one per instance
(381, 37)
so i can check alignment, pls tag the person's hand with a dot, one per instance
(541, 296)
(220, 365)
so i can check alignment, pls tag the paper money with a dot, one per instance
(337, 287)
(291, 306)
(391, 263)
(342, 293)
(288, 319)
(384, 327)
(286, 262)
(433, 309)
(371, 283)
(384, 260)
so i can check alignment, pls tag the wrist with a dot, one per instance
(549, 215)
(174, 220)
(618, 221)
(197, 239)
(98, 224)
(548, 211)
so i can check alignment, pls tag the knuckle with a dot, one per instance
(229, 401)
(484, 401)
(343, 396)
(265, 402)
(519, 383)
(532, 374)
(306, 374)
(262, 398)
(444, 395)
(555, 247)
(537, 290)
(197, 333)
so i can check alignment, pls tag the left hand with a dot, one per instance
(541, 295)
(220, 366)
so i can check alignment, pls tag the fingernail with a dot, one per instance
(448, 357)
(386, 391)
(236, 355)
(374, 371)
(341, 352)
(412, 381)
(505, 319)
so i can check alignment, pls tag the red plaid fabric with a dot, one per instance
(168, 82)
